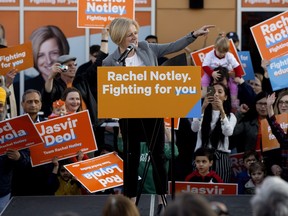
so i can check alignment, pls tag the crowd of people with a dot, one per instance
(233, 110)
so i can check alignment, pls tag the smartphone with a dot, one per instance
(210, 91)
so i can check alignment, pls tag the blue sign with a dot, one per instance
(246, 62)
(278, 72)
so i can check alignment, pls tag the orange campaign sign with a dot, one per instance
(51, 3)
(271, 36)
(168, 123)
(204, 188)
(269, 141)
(9, 3)
(149, 92)
(19, 57)
(199, 55)
(18, 133)
(98, 14)
(99, 173)
(63, 138)
(264, 4)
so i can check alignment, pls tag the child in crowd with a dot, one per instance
(243, 177)
(257, 171)
(61, 182)
(203, 161)
(220, 56)
(59, 109)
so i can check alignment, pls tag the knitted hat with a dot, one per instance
(2, 95)
(58, 103)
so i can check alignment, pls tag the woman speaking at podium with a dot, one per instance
(131, 52)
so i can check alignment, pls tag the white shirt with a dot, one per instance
(227, 127)
(211, 60)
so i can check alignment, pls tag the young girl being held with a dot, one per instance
(220, 56)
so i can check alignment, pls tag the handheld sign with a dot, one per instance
(269, 141)
(271, 36)
(278, 72)
(99, 173)
(205, 188)
(63, 138)
(18, 133)
(149, 92)
(246, 63)
(98, 14)
(168, 123)
(19, 57)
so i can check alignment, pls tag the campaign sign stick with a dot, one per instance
(63, 138)
(98, 14)
(271, 36)
(149, 92)
(99, 173)
(18, 133)
(205, 188)
(19, 57)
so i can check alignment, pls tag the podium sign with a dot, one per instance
(149, 92)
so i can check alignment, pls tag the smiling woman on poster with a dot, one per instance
(124, 33)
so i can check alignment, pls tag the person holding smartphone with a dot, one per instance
(215, 126)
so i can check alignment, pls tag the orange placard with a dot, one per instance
(271, 36)
(269, 141)
(54, 3)
(63, 137)
(168, 123)
(98, 14)
(99, 173)
(19, 57)
(18, 133)
(199, 55)
(149, 92)
(9, 3)
(263, 4)
(204, 188)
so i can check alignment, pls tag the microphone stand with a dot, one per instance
(126, 148)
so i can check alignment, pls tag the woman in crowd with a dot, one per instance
(276, 129)
(73, 99)
(215, 127)
(247, 132)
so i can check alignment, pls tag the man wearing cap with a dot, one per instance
(8, 162)
(234, 37)
(63, 75)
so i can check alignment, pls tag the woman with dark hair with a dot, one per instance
(216, 125)
(247, 132)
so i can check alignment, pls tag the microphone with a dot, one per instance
(125, 53)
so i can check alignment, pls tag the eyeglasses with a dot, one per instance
(261, 104)
(254, 84)
(281, 103)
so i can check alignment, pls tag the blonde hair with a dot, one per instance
(119, 27)
(222, 44)
(119, 205)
